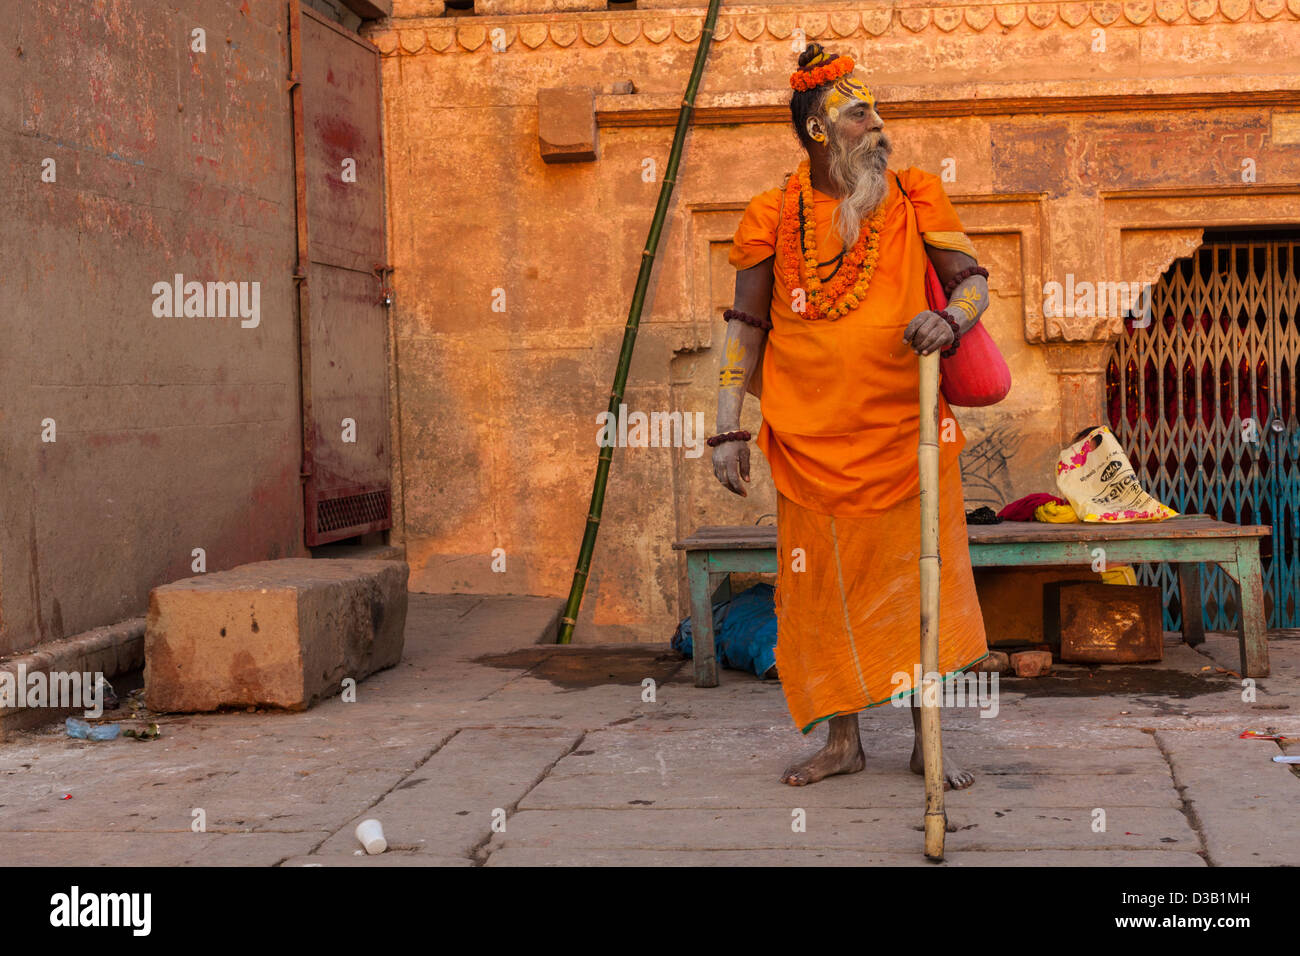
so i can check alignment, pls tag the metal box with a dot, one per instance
(1108, 623)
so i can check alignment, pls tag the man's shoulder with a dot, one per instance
(764, 205)
(913, 177)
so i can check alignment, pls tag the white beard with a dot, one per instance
(860, 174)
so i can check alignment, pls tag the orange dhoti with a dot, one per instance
(841, 428)
(848, 603)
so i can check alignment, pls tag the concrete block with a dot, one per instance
(273, 633)
(566, 124)
(1032, 663)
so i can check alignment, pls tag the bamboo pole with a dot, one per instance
(927, 455)
(606, 455)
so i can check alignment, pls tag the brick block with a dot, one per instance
(998, 662)
(1032, 663)
(273, 633)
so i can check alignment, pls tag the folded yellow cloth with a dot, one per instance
(1055, 513)
(1124, 574)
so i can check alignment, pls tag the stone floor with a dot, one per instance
(484, 748)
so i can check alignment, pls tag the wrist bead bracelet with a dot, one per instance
(765, 324)
(962, 276)
(956, 333)
(717, 440)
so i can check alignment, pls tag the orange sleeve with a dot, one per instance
(755, 238)
(934, 213)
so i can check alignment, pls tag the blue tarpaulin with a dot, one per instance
(744, 631)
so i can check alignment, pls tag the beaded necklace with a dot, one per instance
(852, 277)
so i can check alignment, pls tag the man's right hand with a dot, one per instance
(731, 464)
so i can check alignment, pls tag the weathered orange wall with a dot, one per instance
(1069, 159)
(171, 433)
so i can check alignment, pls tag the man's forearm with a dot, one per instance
(969, 301)
(740, 355)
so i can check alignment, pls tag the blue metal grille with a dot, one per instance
(1204, 402)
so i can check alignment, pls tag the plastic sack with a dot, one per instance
(744, 631)
(1096, 478)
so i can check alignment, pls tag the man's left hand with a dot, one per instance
(927, 332)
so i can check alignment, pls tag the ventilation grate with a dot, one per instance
(335, 514)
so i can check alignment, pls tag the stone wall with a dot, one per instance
(1088, 139)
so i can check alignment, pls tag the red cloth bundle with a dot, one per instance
(1022, 509)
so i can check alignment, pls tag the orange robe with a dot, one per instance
(840, 404)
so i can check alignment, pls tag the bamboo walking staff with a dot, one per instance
(927, 459)
(633, 322)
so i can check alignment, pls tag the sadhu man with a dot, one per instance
(830, 308)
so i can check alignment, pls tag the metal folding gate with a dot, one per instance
(1204, 402)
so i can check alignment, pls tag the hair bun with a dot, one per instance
(814, 55)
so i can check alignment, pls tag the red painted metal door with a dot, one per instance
(342, 313)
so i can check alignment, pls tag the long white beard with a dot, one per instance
(860, 174)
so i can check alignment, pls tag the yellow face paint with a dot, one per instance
(848, 90)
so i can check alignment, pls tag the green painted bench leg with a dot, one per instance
(706, 662)
(1251, 633)
(1189, 595)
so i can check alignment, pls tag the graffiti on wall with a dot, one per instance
(986, 478)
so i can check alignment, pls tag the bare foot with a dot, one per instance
(954, 777)
(842, 754)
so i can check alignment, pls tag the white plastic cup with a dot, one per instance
(371, 835)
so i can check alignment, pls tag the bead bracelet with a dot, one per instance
(765, 324)
(717, 440)
(956, 332)
(962, 276)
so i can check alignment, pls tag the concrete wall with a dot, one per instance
(1088, 138)
(171, 433)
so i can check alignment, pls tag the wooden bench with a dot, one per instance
(714, 552)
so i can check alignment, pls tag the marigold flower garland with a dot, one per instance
(827, 72)
(849, 288)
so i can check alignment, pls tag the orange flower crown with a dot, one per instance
(807, 79)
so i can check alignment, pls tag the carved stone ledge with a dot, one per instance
(762, 23)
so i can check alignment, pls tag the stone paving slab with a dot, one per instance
(878, 828)
(387, 858)
(447, 805)
(872, 788)
(1244, 803)
(525, 856)
(153, 849)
